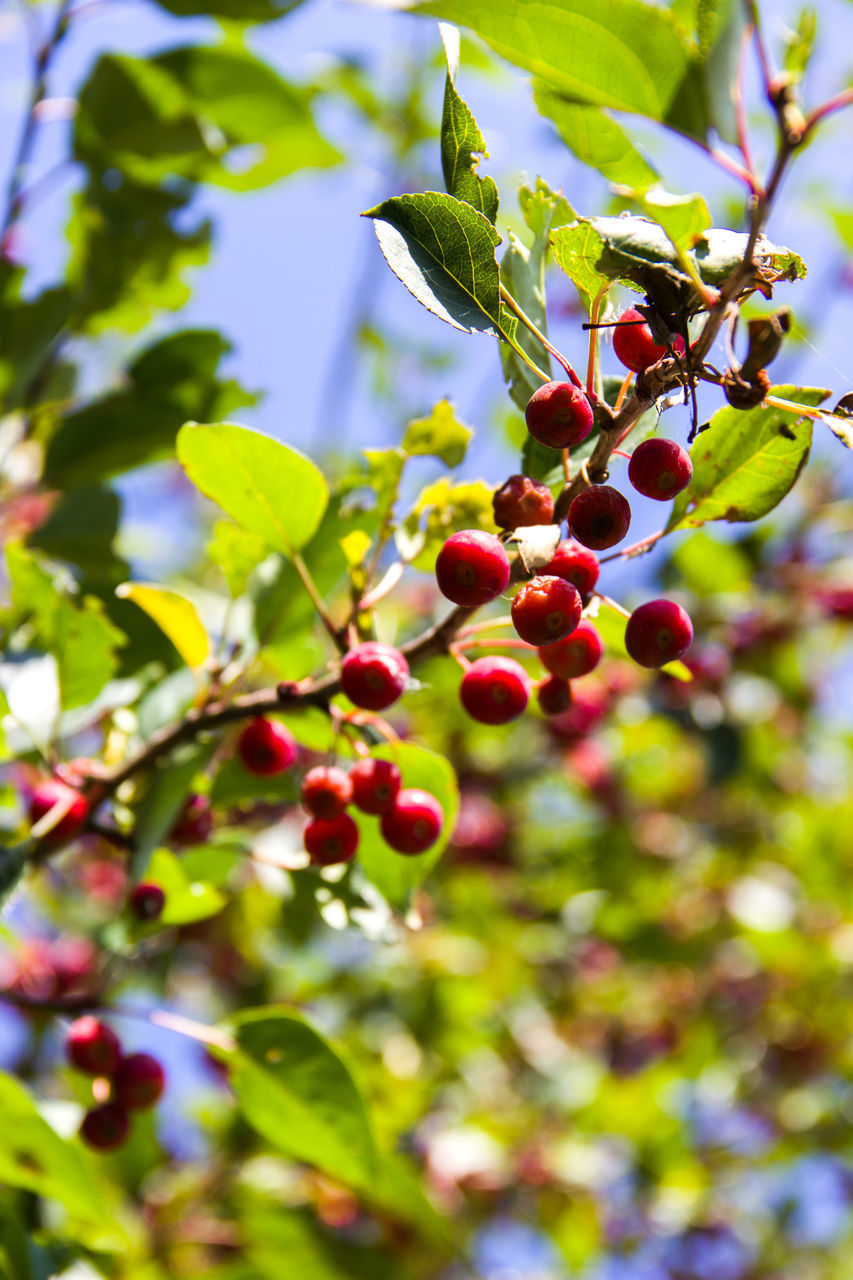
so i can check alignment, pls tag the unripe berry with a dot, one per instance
(331, 840)
(554, 695)
(194, 823)
(521, 501)
(92, 1047)
(658, 632)
(599, 516)
(105, 1127)
(495, 690)
(266, 747)
(375, 784)
(413, 823)
(559, 414)
(660, 469)
(634, 344)
(575, 655)
(147, 901)
(546, 608)
(576, 564)
(374, 675)
(472, 567)
(326, 791)
(49, 792)
(138, 1082)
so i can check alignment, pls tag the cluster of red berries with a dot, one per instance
(134, 1081)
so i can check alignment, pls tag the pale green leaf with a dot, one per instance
(441, 435)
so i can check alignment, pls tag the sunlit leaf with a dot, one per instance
(175, 615)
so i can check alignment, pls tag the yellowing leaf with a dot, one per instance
(174, 615)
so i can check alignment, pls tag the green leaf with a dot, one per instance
(81, 529)
(174, 615)
(596, 140)
(13, 860)
(396, 875)
(441, 435)
(462, 144)
(685, 219)
(447, 508)
(298, 1092)
(233, 10)
(168, 785)
(187, 899)
(720, 27)
(267, 487)
(234, 785)
(745, 462)
(237, 553)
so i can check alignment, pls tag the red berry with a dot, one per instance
(559, 414)
(92, 1047)
(472, 567)
(599, 516)
(521, 501)
(413, 823)
(546, 608)
(495, 690)
(374, 675)
(147, 901)
(658, 632)
(554, 695)
(105, 1127)
(331, 840)
(634, 344)
(194, 823)
(660, 469)
(576, 564)
(50, 792)
(375, 784)
(326, 791)
(266, 747)
(138, 1082)
(575, 655)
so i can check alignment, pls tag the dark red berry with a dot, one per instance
(331, 840)
(413, 823)
(92, 1047)
(495, 690)
(660, 469)
(138, 1082)
(266, 747)
(576, 564)
(194, 823)
(634, 344)
(472, 567)
(575, 655)
(599, 517)
(658, 632)
(147, 901)
(521, 501)
(105, 1127)
(375, 784)
(559, 414)
(326, 791)
(546, 608)
(51, 792)
(374, 675)
(554, 695)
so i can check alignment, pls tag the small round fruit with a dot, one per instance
(599, 517)
(554, 695)
(559, 414)
(495, 690)
(326, 791)
(138, 1082)
(576, 564)
(375, 784)
(147, 901)
(660, 469)
(575, 655)
(50, 792)
(472, 567)
(521, 501)
(373, 675)
(92, 1047)
(413, 823)
(266, 747)
(545, 609)
(331, 840)
(634, 344)
(105, 1127)
(658, 632)
(194, 823)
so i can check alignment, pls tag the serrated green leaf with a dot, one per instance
(174, 615)
(596, 140)
(462, 144)
(441, 435)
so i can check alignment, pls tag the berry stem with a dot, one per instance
(317, 600)
(611, 604)
(490, 625)
(537, 333)
(482, 642)
(593, 339)
(623, 391)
